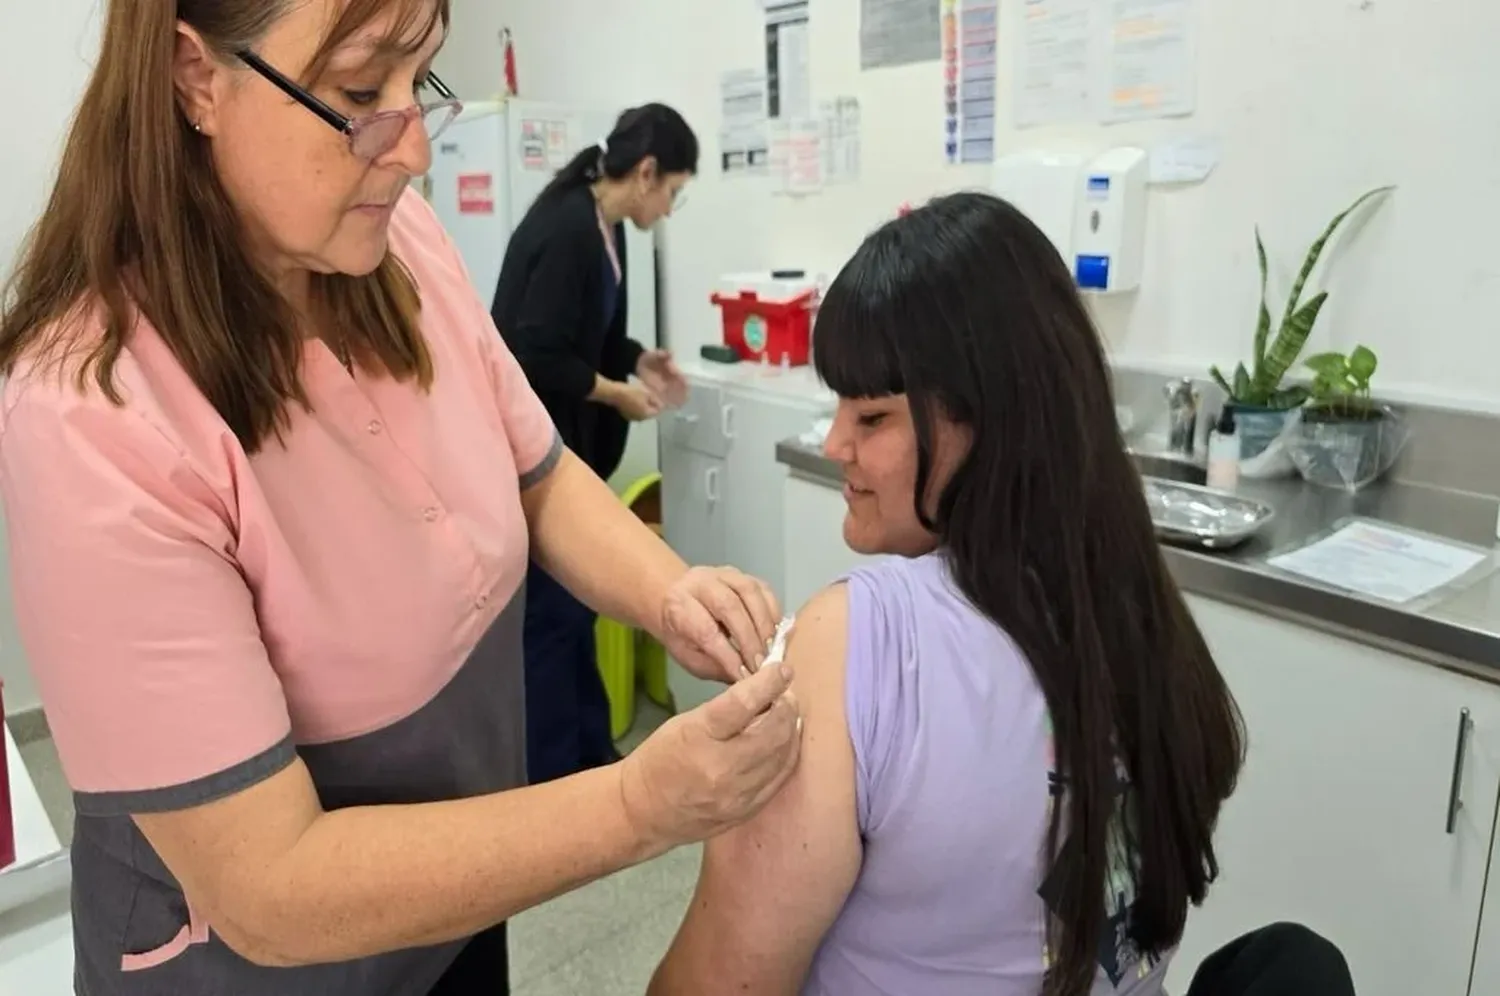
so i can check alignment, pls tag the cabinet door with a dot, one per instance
(1341, 818)
(1485, 749)
(755, 524)
(815, 551)
(692, 492)
(692, 488)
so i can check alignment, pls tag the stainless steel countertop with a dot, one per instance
(1456, 628)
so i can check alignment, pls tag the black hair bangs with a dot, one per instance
(855, 339)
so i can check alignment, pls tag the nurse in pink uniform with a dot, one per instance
(271, 479)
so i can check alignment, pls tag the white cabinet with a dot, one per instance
(693, 505)
(1341, 817)
(722, 486)
(1485, 747)
(814, 539)
(757, 520)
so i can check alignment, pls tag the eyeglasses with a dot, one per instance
(372, 136)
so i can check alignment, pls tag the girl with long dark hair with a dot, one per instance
(1017, 742)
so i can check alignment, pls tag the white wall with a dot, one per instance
(46, 51)
(1358, 93)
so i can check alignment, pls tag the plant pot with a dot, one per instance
(1260, 429)
(1347, 449)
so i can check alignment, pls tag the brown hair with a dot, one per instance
(138, 223)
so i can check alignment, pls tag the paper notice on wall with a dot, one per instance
(840, 138)
(788, 70)
(744, 144)
(476, 193)
(1055, 71)
(797, 155)
(970, 35)
(559, 145)
(1150, 62)
(898, 32)
(533, 144)
(1186, 159)
(1379, 562)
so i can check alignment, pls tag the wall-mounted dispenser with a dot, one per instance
(1044, 186)
(1109, 234)
(1093, 211)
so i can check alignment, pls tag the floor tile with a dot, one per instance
(574, 926)
(621, 963)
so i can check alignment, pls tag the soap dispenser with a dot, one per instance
(1224, 452)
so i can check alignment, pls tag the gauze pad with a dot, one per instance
(778, 642)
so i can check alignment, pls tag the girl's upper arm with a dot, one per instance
(770, 889)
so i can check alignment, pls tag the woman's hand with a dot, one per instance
(637, 403)
(718, 622)
(659, 372)
(710, 769)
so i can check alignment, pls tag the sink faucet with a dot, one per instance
(1182, 416)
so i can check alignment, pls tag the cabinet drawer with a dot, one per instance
(698, 425)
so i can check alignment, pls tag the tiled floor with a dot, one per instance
(604, 939)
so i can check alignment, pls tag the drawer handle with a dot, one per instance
(1460, 754)
(726, 421)
(687, 417)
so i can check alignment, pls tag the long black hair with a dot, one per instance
(966, 308)
(649, 130)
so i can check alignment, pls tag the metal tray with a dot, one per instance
(1203, 517)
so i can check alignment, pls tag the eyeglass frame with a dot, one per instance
(351, 128)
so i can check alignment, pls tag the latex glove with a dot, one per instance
(718, 623)
(658, 371)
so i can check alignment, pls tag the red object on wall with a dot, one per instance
(510, 63)
(7, 820)
(476, 193)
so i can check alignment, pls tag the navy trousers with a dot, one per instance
(482, 968)
(567, 711)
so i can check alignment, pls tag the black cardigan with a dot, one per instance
(549, 307)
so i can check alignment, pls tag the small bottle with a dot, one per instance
(1224, 453)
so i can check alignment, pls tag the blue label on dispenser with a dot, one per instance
(1092, 272)
(1098, 188)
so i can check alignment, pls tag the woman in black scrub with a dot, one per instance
(560, 304)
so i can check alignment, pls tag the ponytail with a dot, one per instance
(653, 130)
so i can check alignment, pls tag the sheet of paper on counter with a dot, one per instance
(1379, 562)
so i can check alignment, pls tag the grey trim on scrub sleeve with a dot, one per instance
(535, 475)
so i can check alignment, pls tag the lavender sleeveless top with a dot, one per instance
(953, 762)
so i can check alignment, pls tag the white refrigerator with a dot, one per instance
(489, 166)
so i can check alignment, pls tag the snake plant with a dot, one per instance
(1272, 356)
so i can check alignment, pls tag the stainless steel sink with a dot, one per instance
(1170, 467)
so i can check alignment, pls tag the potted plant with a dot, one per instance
(1345, 439)
(1262, 405)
